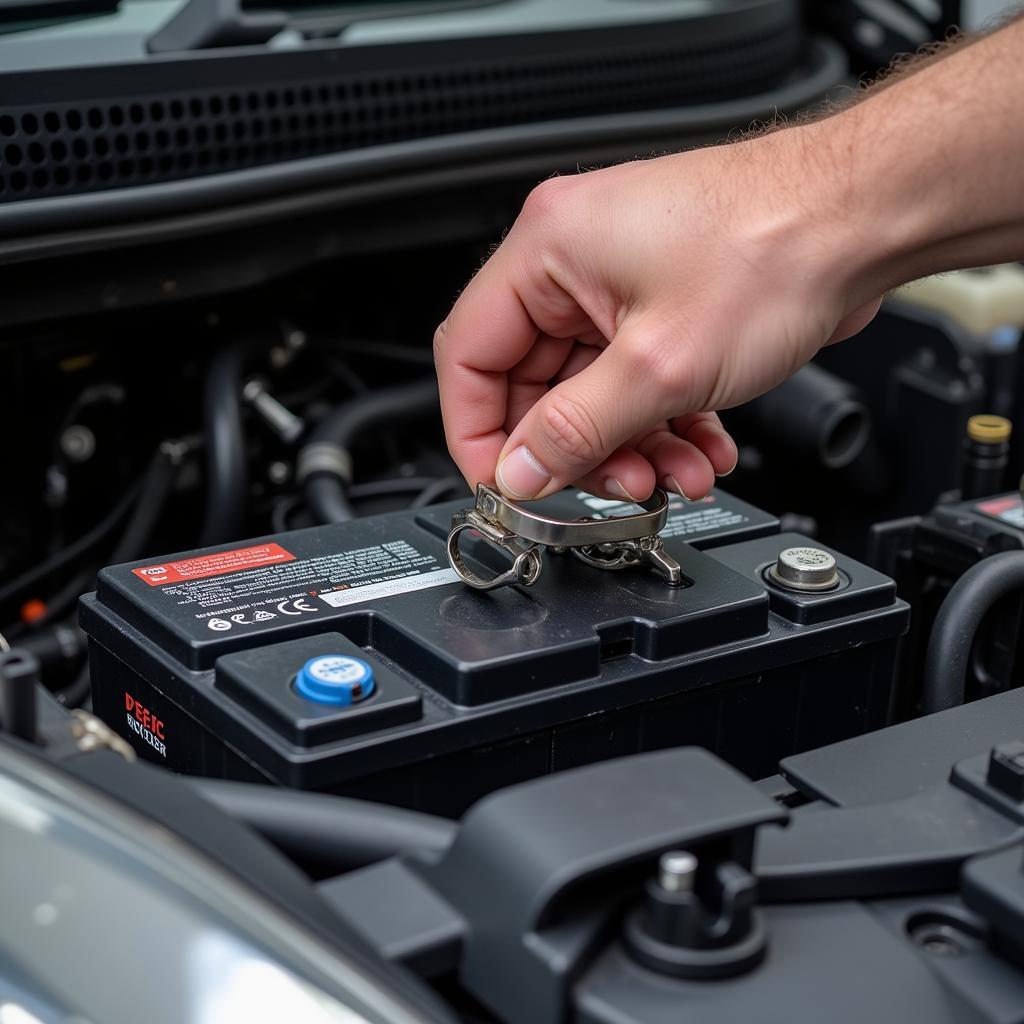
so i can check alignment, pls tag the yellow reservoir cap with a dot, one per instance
(989, 429)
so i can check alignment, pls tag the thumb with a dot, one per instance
(577, 425)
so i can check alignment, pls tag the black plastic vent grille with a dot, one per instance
(66, 148)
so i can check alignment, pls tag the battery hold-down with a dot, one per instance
(337, 679)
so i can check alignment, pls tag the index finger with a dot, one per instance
(487, 332)
(493, 325)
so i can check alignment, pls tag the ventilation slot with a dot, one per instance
(83, 147)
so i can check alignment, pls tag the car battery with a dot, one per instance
(349, 658)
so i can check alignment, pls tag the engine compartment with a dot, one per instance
(238, 672)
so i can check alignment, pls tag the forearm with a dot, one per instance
(927, 173)
(628, 304)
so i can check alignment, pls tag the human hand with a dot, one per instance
(627, 305)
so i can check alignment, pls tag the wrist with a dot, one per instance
(922, 176)
(869, 226)
(812, 222)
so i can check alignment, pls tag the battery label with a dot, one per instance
(1008, 510)
(685, 518)
(213, 565)
(371, 591)
(265, 584)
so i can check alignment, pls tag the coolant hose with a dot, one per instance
(966, 604)
(324, 466)
(812, 415)
(330, 830)
(227, 478)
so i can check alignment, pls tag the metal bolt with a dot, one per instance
(174, 450)
(78, 443)
(278, 472)
(941, 946)
(280, 419)
(677, 871)
(805, 569)
(90, 733)
(294, 342)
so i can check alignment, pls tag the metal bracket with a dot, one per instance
(620, 542)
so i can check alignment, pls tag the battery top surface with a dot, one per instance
(388, 576)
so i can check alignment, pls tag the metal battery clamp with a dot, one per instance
(619, 542)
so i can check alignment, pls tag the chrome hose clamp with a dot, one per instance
(619, 542)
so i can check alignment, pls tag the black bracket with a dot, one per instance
(528, 861)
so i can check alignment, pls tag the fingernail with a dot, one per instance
(736, 456)
(613, 486)
(670, 483)
(520, 475)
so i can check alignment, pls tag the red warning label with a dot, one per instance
(1008, 510)
(997, 506)
(254, 557)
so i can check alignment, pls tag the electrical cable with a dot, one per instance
(156, 486)
(437, 490)
(284, 507)
(383, 350)
(76, 548)
(324, 466)
(395, 485)
(227, 479)
(77, 692)
(347, 376)
(328, 830)
(58, 604)
(153, 491)
(965, 606)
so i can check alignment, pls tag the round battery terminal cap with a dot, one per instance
(805, 569)
(337, 679)
(989, 429)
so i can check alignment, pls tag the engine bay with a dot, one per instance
(253, 715)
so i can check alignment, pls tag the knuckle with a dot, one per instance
(572, 431)
(439, 338)
(655, 362)
(548, 199)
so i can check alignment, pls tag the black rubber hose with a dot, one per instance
(324, 463)
(969, 599)
(326, 498)
(227, 478)
(812, 415)
(58, 647)
(332, 831)
(156, 486)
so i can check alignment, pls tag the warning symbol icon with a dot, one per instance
(262, 616)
